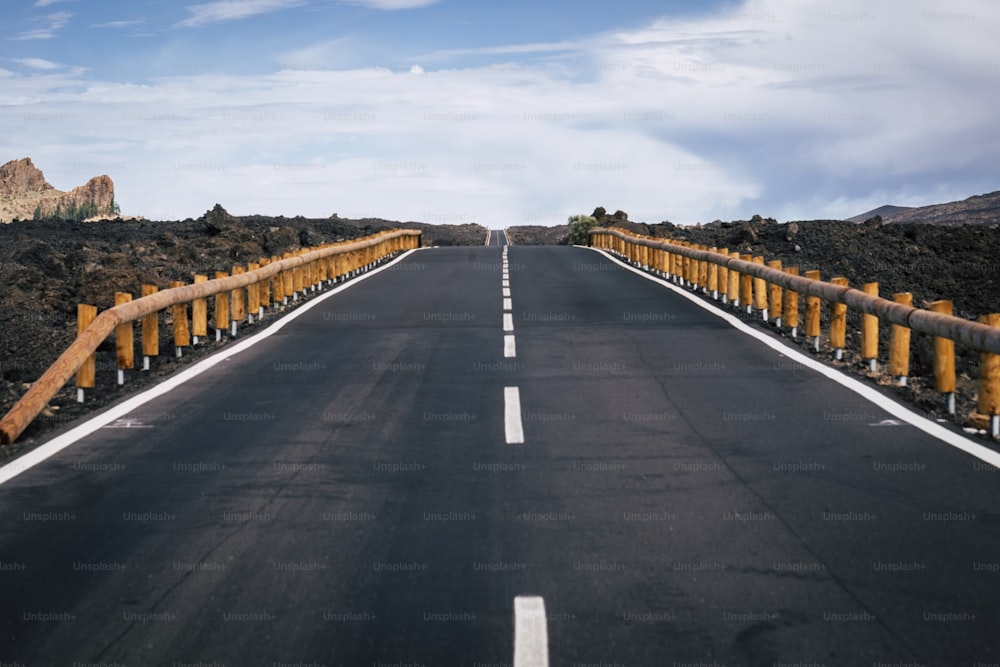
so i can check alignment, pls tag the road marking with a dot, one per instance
(506, 291)
(509, 348)
(505, 283)
(507, 304)
(127, 423)
(508, 321)
(513, 429)
(531, 635)
(56, 445)
(895, 409)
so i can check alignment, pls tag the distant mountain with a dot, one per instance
(977, 210)
(24, 193)
(886, 212)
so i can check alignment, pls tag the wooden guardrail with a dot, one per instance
(748, 284)
(289, 277)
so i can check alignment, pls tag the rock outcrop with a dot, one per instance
(24, 194)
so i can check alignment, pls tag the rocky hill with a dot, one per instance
(977, 210)
(25, 194)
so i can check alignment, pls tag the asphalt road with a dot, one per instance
(497, 238)
(343, 493)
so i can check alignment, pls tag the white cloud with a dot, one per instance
(339, 53)
(46, 3)
(117, 24)
(392, 4)
(53, 22)
(39, 63)
(776, 108)
(231, 10)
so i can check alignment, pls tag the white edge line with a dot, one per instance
(513, 429)
(929, 427)
(531, 636)
(57, 444)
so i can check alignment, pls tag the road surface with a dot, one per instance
(346, 492)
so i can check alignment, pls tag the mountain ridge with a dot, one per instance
(24, 194)
(981, 209)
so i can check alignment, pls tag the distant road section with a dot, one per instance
(497, 238)
(479, 441)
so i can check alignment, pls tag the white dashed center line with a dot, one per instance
(531, 635)
(509, 349)
(508, 322)
(512, 416)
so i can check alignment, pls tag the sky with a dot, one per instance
(521, 112)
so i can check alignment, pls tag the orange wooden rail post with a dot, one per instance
(237, 302)
(85, 375)
(322, 265)
(713, 276)
(253, 295)
(790, 301)
(199, 313)
(338, 268)
(944, 360)
(703, 272)
(221, 308)
(333, 269)
(723, 278)
(760, 291)
(899, 344)
(694, 268)
(812, 313)
(150, 331)
(733, 288)
(264, 290)
(838, 322)
(287, 281)
(869, 331)
(774, 294)
(182, 336)
(278, 286)
(746, 287)
(124, 340)
(296, 283)
(989, 381)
